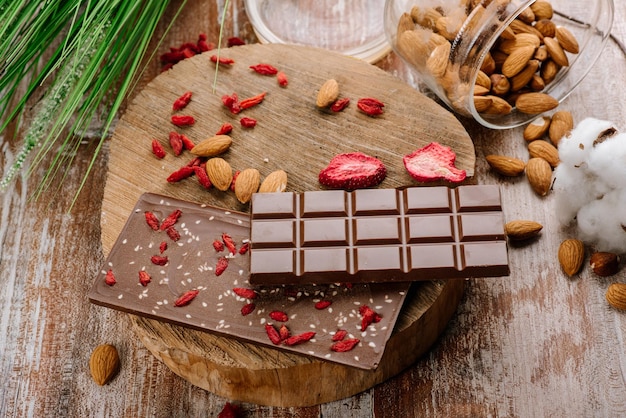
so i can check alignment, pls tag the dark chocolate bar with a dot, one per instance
(377, 235)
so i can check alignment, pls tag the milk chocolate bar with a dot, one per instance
(377, 235)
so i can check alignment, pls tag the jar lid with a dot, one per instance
(351, 27)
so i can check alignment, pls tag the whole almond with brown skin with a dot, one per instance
(544, 149)
(556, 51)
(220, 173)
(562, 124)
(616, 295)
(212, 146)
(537, 128)
(482, 103)
(506, 166)
(437, 62)
(571, 256)
(329, 92)
(520, 230)
(104, 363)
(567, 40)
(247, 183)
(542, 9)
(517, 60)
(275, 182)
(498, 106)
(604, 263)
(535, 103)
(539, 175)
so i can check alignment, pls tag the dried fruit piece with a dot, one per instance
(506, 166)
(225, 129)
(229, 243)
(159, 260)
(203, 177)
(182, 102)
(180, 174)
(368, 317)
(171, 219)
(176, 143)
(328, 93)
(252, 101)
(172, 233)
(604, 263)
(232, 103)
(247, 309)
(281, 78)
(244, 248)
(157, 149)
(370, 106)
(340, 335)
(322, 304)
(276, 181)
(245, 293)
(104, 363)
(300, 338)
(221, 266)
(212, 146)
(433, 162)
(284, 332)
(264, 69)
(220, 173)
(186, 298)
(247, 122)
(183, 120)
(352, 171)
(345, 345)
(273, 334)
(162, 247)
(222, 60)
(571, 256)
(152, 221)
(340, 104)
(187, 143)
(247, 183)
(109, 278)
(616, 295)
(520, 230)
(218, 245)
(279, 316)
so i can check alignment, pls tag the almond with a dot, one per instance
(616, 295)
(547, 27)
(482, 103)
(542, 9)
(483, 79)
(604, 263)
(520, 230)
(517, 60)
(329, 92)
(247, 183)
(437, 63)
(539, 175)
(212, 146)
(537, 128)
(500, 84)
(535, 103)
(405, 23)
(544, 149)
(104, 363)
(220, 173)
(561, 125)
(507, 166)
(556, 51)
(276, 181)
(499, 106)
(549, 70)
(567, 40)
(520, 27)
(571, 256)
(522, 79)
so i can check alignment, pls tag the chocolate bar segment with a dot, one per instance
(377, 235)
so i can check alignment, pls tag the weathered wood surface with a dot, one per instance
(537, 344)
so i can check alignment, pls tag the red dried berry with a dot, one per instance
(195, 161)
(162, 247)
(273, 335)
(186, 298)
(345, 345)
(222, 60)
(247, 122)
(284, 333)
(279, 316)
(235, 41)
(322, 304)
(232, 182)
(159, 260)
(245, 293)
(157, 149)
(176, 143)
(152, 221)
(252, 101)
(182, 101)
(180, 174)
(109, 278)
(144, 278)
(171, 219)
(221, 266)
(173, 233)
(247, 309)
(225, 129)
(370, 106)
(368, 317)
(433, 162)
(229, 243)
(218, 245)
(353, 171)
(244, 248)
(183, 120)
(264, 69)
(340, 335)
(340, 104)
(282, 79)
(300, 338)
(204, 46)
(187, 143)
(232, 103)
(203, 177)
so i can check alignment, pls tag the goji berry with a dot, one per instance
(247, 122)
(152, 221)
(109, 278)
(279, 316)
(283, 331)
(195, 161)
(183, 120)
(218, 245)
(244, 248)
(157, 149)
(222, 60)
(180, 174)
(368, 317)
(173, 233)
(281, 77)
(340, 104)
(172, 57)
(171, 219)
(163, 247)
(186, 298)
(187, 143)
(232, 182)
(235, 41)
(182, 101)
(245, 293)
(265, 69)
(273, 335)
(229, 243)
(188, 52)
(340, 335)
(370, 106)
(247, 309)
(221, 266)
(159, 260)
(322, 304)
(232, 103)
(252, 101)
(300, 338)
(144, 278)
(176, 143)
(345, 345)
(203, 177)
(205, 46)
(225, 129)
(190, 46)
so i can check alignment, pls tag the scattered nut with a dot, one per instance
(520, 230)
(104, 363)
(571, 256)
(604, 263)
(616, 295)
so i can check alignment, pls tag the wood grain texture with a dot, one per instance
(537, 344)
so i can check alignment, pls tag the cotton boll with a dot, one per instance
(608, 161)
(602, 222)
(576, 147)
(566, 179)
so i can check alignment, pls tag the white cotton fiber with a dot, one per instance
(575, 148)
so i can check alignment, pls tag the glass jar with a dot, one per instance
(501, 62)
(351, 27)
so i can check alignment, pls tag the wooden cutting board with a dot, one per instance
(292, 135)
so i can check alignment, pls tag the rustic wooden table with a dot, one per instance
(534, 344)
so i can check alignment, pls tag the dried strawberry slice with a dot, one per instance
(433, 162)
(352, 171)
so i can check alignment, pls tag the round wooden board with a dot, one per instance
(292, 135)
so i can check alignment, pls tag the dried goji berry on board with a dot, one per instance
(299, 339)
(162, 247)
(235, 41)
(218, 245)
(370, 106)
(247, 122)
(221, 266)
(252, 101)
(345, 345)
(245, 293)
(284, 333)
(144, 278)
(225, 129)
(281, 77)
(157, 149)
(182, 101)
(244, 248)
(152, 221)
(273, 335)
(247, 309)
(322, 304)
(173, 233)
(232, 103)
(340, 104)
(264, 69)
(279, 316)
(232, 182)
(187, 143)
(176, 143)
(171, 219)
(222, 60)
(183, 120)
(368, 317)
(229, 243)
(186, 298)
(109, 278)
(159, 260)
(203, 177)
(340, 335)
